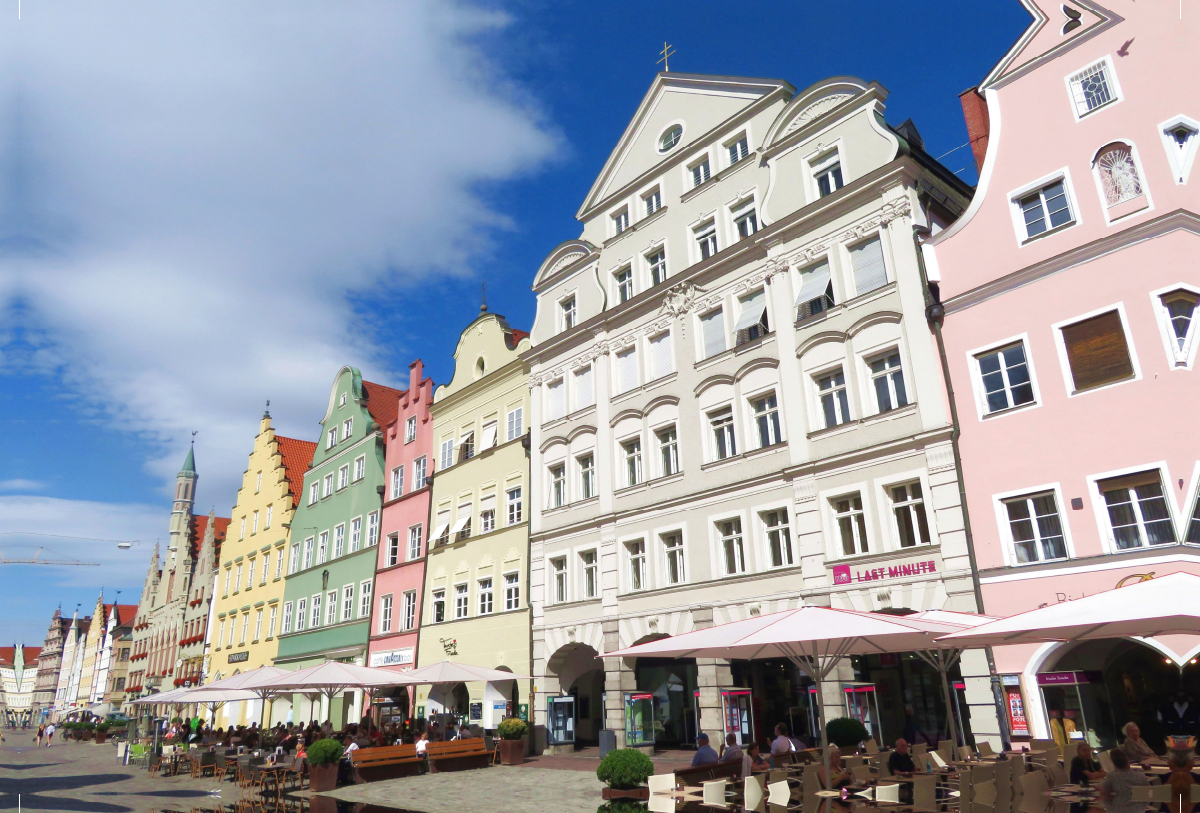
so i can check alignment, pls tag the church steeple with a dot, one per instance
(181, 511)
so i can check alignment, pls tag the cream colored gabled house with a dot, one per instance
(737, 409)
(475, 607)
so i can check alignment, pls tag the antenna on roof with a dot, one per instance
(483, 297)
(667, 51)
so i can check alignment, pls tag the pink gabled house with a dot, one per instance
(1069, 290)
(400, 569)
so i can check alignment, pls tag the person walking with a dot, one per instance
(49, 734)
(41, 734)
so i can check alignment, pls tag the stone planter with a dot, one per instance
(322, 778)
(101, 737)
(638, 794)
(512, 752)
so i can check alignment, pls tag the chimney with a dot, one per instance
(975, 113)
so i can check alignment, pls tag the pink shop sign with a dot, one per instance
(843, 574)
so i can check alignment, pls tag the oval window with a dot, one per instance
(670, 137)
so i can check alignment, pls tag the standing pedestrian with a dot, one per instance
(41, 733)
(49, 734)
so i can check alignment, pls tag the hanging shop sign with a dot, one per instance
(392, 657)
(238, 657)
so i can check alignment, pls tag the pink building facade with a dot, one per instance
(1069, 291)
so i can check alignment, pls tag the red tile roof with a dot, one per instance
(200, 525)
(297, 456)
(9, 653)
(382, 402)
(125, 612)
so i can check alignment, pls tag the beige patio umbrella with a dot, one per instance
(452, 672)
(329, 679)
(253, 681)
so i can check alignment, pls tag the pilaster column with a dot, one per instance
(711, 673)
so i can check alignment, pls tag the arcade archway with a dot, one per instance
(580, 675)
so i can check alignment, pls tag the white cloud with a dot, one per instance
(19, 484)
(189, 192)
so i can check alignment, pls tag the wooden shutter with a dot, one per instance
(1097, 351)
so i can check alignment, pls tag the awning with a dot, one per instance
(813, 285)
(441, 530)
(489, 436)
(460, 523)
(100, 709)
(753, 308)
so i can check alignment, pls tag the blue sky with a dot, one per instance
(203, 206)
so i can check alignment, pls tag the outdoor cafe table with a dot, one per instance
(275, 772)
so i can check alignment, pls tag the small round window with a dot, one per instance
(670, 137)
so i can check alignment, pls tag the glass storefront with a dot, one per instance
(560, 720)
(908, 698)
(778, 697)
(672, 684)
(639, 719)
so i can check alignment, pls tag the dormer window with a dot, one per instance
(653, 201)
(746, 220)
(738, 150)
(567, 317)
(700, 173)
(827, 171)
(624, 280)
(670, 137)
(620, 221)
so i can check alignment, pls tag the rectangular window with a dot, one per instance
(712, 327)
(410, 429)
(668, 451)
(1092, 88)
(221, 633)
(420, 470)
(315, 618)
(745, 220)
(1180, 311)
(732, 548)
(624, 280)
(343, 477)
(447, 456)
(829, 177)
(360, 468)
(556, 400)
(372, 529)
(558, 579)
(706, 240)
(591, 574)
(242, 529)
(633, 461)
(636, 551)
(1097, 351)
(587, 476)
(237, 579)
(673, 549)
(567, 317)
(232, 629)
(331, 438)
(662, 361)
(485, 596)
(355, 534)
(752, 321)
(397, 481)
(816, 291)
(487, 519)
(271, 622)
(1005, 377)
(558, 486)
(585, 394)
(327, 484)
(257, 625)
(1045, 209)
(293, 559)
(887, 376)
(460, 601)
(250, 573)
(267, 524)
(700, 173)
(331, 608)
(462, 525)
(414, 543)
(620, 221)
(488, 438)
(266, 568)
(287, 618)
(347, 428)
(513, 496)
(870, 272)
(627, 370)
(766, 419)
(512, 591)
(313, 493)
(1036, 528)
(652, 201)
(409, 619)
(254, 524)
(721, 423)
(322, 547)
(245, 628)
(516, 427)
(439, 606)
(364, 599)
(852, 524)
(908, 506)
(308, 553)
(393, 550)
(385, 613)
(738, 150)
(466, 445)
(779, 537)
(301, 614)
(1137, 511)
(657, 263)
(835, 404)
(339, 540)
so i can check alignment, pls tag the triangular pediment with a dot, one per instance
(696, 102)
(1057, 27)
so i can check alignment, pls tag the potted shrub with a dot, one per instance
(102, 733)
(323, 758)
(845, 732)
(625, 771)
(88, 730)
(512, 732)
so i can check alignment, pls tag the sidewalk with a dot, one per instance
(588, 759)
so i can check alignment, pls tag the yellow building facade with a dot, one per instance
(246, 614)
(475, 606)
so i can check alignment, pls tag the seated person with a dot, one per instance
(837, 773)
(754, 761)
(1134, 746)
(705, 755)
(901, 761)
(733, 751)
(1117, 785)
(1084, 767)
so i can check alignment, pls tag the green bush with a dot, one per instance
(324, 752)
(176, 720)
(622, 806)
(89, 726)
(512, 728)
(845, 732)
(104, 727)
(625, 769)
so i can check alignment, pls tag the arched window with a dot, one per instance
(1118, 174)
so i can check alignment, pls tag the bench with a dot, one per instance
(458, 755)
(384, 762)
(697, 776)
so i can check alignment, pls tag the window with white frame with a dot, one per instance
(347, 602)
(662, 361)
(835, 403)
(706, 239)
(347, 428)
(1138, 514)
(745, 220)
(286, 626)
(331, 438)
(852, 524)
(271, 622)
(712, 329)
(254, 524)
(339, 540)
(556, 400)
(343, 477)
(721, 423)
(1179, 313)
(372, 529)
(293, 559)
(397, 481)
(591, 574)
(385, 613)
(908, 507)
(279, 562)
(827, 172)
(410, 429)
(652, 201)
(447, 454)
(558, 579)
(656, 262)
(632, 452)
(308, 552)
(439, 606)
(314, 620)
(738, 149)
(266, 567)
(301, 614)
(331, 608)
(635, 554)
(267, 523)
(1093, 88)
(1193, 528)
(420, 470)
(752, 320)
(1045, 209)
(250, 573)
(1004, 374)
(313, 492)
(355, 534)
(623, 279)
(566, 311)
(484, 590)
(733, 548)
(620, 221)
(1097, 351)
(488, 438)
(670, 138)
(587, 476)
(245, 627)
(487, 514)
(1179, 137)
(257, 625)
(779, 537)
(258, 483)
(870, 271)
(668, 451)
(816, 291)
(327, 485)
(627, 370)
(466, 445)
(409, 617)
(360, 468)
(766, 420)
(515, 505)
(221, 634)
(237, 579)
(1119, 176)
(414, 542)
(673, 553)
(887, 377)
(700, 172)
(322, 547)
(242, 529)
(512, 591)
(516, 426)
(558, 486)
(393, 549)
(462, 526)
(1035, 527)
(461, 608)
(585, 393)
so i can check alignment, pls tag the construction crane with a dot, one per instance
(4, 560)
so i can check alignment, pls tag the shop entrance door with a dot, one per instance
(560, 727)
(862, 705)
(737, 715)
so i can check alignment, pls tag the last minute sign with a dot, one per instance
(844, 574)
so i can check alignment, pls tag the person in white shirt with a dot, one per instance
(49, 734)
(781, 745)
(422, 749)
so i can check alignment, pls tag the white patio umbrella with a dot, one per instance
(331, 678)
(253, 681)
(452, 672)
(942, 655)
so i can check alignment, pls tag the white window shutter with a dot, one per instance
(627, 376)
(555, 400)
(489, 437)
(583, 388)
(869, 270)
(814, 283)
(713, 328)
(660, 355)
(753, 308)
